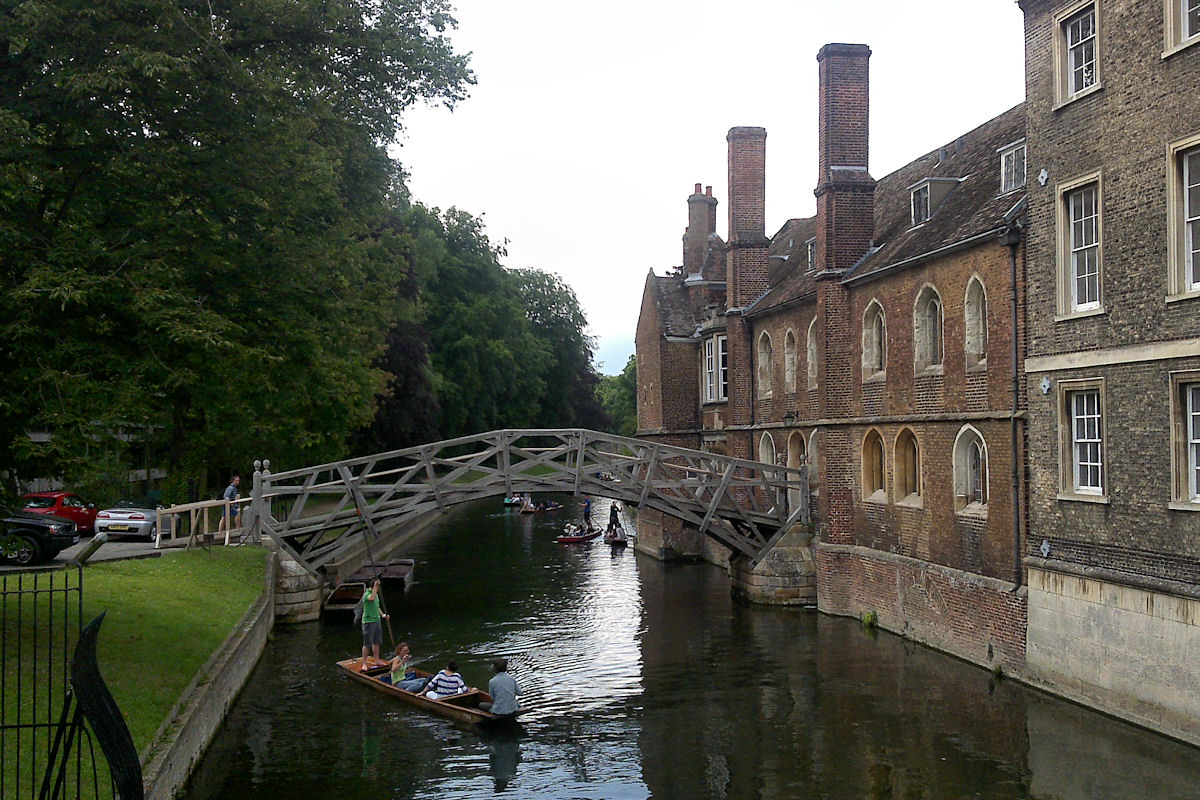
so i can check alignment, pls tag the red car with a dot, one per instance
(67, 505)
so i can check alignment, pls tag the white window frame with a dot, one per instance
(1078, 54)
(1181, 26)
(1083, 447)
(975, 340)
(1185, 440)
(716, 369)
(1010, 180)
(1075, 246)
(810, 254)
(764, 372)
(920, 205)
(874, 342)
(1183, 218)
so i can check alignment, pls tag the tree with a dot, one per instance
(618, 395)
(192, 244)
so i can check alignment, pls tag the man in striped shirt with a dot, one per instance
(445, 683)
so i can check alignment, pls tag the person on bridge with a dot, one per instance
(446, 683)
(372, 627)
(230, 510)
(503, 689)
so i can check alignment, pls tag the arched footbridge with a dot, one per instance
(334, 518)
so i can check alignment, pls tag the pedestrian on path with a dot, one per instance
(229, 511)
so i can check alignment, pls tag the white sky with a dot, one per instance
(592, 122)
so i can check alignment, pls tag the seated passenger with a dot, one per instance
(446, 683)
(401, 676)
(503, 689)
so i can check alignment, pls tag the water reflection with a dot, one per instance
(647, 680)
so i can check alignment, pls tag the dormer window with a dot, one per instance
(1012, 167)
(920, 204)
(810, 249)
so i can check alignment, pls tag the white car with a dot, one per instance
(129, 518)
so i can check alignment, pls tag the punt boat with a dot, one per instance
(462, 707)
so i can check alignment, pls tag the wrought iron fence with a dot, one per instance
(43, 752)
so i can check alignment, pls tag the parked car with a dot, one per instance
(67, 505)
(129, 517)
(28, 539)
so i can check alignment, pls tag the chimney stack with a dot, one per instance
(702, 217)
(845, 190)
(746, 270)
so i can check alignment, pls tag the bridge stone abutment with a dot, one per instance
(786, 576)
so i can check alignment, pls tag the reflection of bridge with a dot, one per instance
(329, 517)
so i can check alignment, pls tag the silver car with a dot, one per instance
(129, 518)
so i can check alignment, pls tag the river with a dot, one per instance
(647, 680)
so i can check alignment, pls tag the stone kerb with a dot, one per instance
(190, 725)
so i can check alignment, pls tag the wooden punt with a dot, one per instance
(583, 537)
(462, 707)
(554, 507)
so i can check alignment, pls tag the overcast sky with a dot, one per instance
(592, 122)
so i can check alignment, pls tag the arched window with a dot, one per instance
(789, 361)
(975, 313)
(811, 354)
(814, 467)
(766, 449)
(970, 469)
(874, 341)
(927, 329)
(908, 468)
(764, 365)
(797, 451)
(872, 467)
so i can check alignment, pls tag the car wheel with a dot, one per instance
(27, 553)
(153, 532)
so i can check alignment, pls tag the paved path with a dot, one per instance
(112, 550)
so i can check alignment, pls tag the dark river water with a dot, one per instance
(645, 680)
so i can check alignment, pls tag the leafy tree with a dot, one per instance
(192, 243)
(618, 395)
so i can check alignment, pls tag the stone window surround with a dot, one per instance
(975, 340)
(715, 369)
(963, 494)
(1062, 95)
(766, 448)
(797, 451)
(1177, 280)
(1064, 271)
(874, 468)
(1066, 450)
(814, 466)
(811, 354)
(929, 330)
(874, 343)
(1174, 39)
(764, 377)
(789, 361)
(1005, 152)
(906, 455)
(1181, 498)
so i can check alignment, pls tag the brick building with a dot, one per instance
(1114, 353)
(995, 384)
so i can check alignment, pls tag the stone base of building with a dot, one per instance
(1130, 651)
(787, 576)
(297, 592)
(978, 619)
(667, 538)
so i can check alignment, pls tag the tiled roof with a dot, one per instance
(973, 206)
(673, 307)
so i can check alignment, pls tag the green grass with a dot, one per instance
(165, 618)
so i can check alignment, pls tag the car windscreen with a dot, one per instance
(140, 503)
(39, 502)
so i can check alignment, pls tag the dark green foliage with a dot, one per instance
(190, 247)
(618, 395)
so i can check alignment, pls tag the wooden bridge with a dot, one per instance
(333, 518)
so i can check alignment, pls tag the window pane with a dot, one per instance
(1193, 426)
(1084, 244)
(1191, 217)
(1086, 448)
(1191, 18)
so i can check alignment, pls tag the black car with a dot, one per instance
(28, 539)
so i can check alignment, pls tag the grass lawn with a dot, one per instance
(165, 618)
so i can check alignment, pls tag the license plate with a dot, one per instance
(120, 527)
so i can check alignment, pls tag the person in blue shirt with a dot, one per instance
(503, 689)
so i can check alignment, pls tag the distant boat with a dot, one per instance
(515, 500)
(551, 506)
(584, 535)
(617, 539)
(462, 707)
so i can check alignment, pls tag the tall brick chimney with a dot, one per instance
(702, 221)
(745, 270)
(845, 227)
(746, 266)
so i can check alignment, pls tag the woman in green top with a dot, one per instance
(401, 676)
(371, 626)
